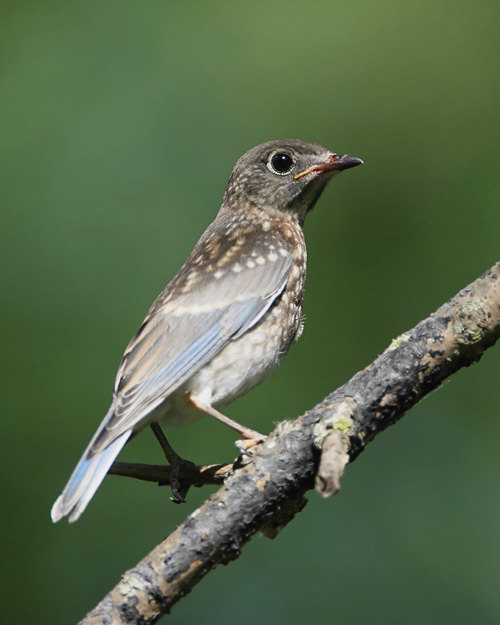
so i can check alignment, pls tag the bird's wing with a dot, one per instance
(184, 331)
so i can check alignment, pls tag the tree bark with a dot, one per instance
(266, 487)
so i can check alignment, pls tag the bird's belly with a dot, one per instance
(249, 360)
(238, 368)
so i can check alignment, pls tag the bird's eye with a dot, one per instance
(281, 163)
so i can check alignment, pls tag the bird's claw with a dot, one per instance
(247, 444)
(179, 490)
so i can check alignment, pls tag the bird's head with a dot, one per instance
(283, 176)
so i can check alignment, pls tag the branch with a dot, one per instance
(266, 489)
(195, 475)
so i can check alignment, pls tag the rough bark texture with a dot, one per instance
(267, 488)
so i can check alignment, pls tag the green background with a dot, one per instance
(120, 123)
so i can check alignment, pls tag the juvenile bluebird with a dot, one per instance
(229, 316)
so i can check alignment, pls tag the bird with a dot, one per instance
(228, 317)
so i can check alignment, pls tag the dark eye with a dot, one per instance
(281, 163)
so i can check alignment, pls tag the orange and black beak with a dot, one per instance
(337, 162)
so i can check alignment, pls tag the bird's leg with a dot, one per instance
(170, 454)
(175, 461)
(252, 437)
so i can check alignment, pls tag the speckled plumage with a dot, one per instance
(229, 316)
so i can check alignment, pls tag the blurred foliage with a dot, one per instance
(120, 124)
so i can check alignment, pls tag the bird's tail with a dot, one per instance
(85, 480)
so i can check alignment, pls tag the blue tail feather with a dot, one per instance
(85, 480)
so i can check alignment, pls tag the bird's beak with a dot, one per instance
(335, 163)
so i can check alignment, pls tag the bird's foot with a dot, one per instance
(251, 439)
(179, 490)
